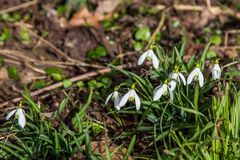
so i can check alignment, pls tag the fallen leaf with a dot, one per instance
(231, 53)
(3, 74)
(84, 16)
(106, 6)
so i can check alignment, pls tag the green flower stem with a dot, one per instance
(196, 97)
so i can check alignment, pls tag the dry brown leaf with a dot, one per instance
(231, 53)
(3, 74)
(103, 11)
(84, 16)
(106, 6)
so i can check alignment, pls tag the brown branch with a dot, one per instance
(21, 6)
(60, 84)
(216, 10)
(159, 27)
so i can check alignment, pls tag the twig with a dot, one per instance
(230, 64)
(60, 84)
(159, 27)
(216, 10)
(9, 135)
(35, 69)
(21, 6)
(227, 33)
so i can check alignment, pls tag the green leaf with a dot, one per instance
(4, 146)
(211, 54)
(80, 85)
(67, 83)
(62, 9)
(63, 104)
(130, 147)
(77, 120)
(6, 34)
(87, 145)
(16, 17)
(99, 52)
(31, 102)
(93, 84)
(138, 46)
(50, 70)
(5, 17)
(217, 40)
(56, 76)
(13, 73)
(143, 34)
(23, 33)
(106, 82)
(39, 84)
(204, 54)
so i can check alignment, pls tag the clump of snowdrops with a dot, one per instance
(184, 109)
(179, 77)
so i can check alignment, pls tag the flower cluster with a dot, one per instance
(120, 101)
(169, 85)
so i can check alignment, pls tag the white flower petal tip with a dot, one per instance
(149, 55)
(164, 89)
(176, 77)
(216, 72)
(10, 114)
(116, 98)
(19, 112)
(131, 95)
(21, 119)
(196, 74)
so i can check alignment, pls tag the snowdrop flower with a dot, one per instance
(196, 74)
(176, 76)
(20, 114)
(150, 56)
(162, 90)
(216, 71)
(131, 95)
(116, 97)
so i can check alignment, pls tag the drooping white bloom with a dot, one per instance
(150, 56)
(162, 90)
(176, 76)
(20, 114)
(196, 74)
(116, 97)
(216, 71)
(131, 95)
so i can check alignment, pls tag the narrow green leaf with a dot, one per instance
(130, 147)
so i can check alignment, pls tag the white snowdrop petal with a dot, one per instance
(124, 99)
(201, 79)
(108, 98)
(21, 119)
(155, 61)
(182, 78)
(117, 100)
(142, 58)
(155, 89)
(191, 76)
(170, 94)
(172, 85)
(158, 94)
(137, 101)
(216, 72)
(10, 114)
